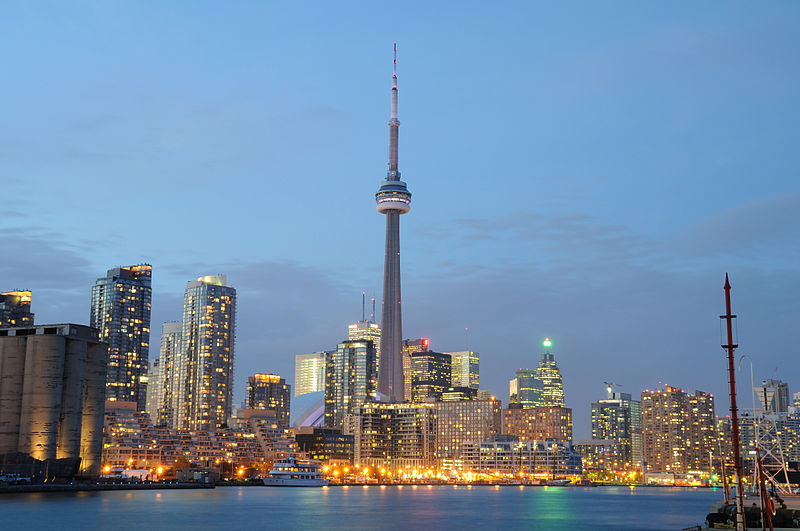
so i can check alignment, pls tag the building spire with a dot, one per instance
(394, 123)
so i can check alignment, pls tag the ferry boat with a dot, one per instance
(293, 472)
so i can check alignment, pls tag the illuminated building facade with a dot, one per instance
(393, 199)
(269, 391)
(774, 396)
(15, 309)
(599, 455)
(677, 430)
(465, 369)
(172, 381)
(463, 421)
(351, 378)
(537, 424)
(525, 390)
(120, 309)
(546, 459)
(205, 363)
(410, 346)
(52, 393)
(547, 372)
(619, 418)
(430, 375)
(396, 437)
(155, 390)
(309, 373)
(460, 393)
(367, 331)
(325, 444)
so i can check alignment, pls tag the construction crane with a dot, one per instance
(610, 387)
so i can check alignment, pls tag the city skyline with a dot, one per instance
(591, 183)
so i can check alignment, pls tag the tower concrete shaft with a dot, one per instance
(393, 199)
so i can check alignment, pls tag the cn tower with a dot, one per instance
(393, 199)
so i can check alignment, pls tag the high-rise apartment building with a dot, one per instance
(539, 423)
(465, 369)
(774, 396)
(309, 373)
(410, 346)
(172, 380)
(269, 391)
(15, 309)
(677, 430)
(351, 379)
(120, 309)
(619, 418)
(52, 393)
(465, 421)
(525, 390)
(155, 390)
(205, 364)
(430, 375)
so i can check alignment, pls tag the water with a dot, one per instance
(355, 508)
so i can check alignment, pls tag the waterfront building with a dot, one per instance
(400, 438)
(393, 199)
(52, 393)
(172, 380)
(309, 373)
(776, 434)
(430, 375)
(120, 309)
(411, 346)
(464, 421)
(367, 331)
(460, 393)
(205, 365)
(619, 418)
(269, 391)
(465, 369)
(601, 456)
(350, 379)
(539, 423)
(15, 309)
(525, 390)
(155, 390)
(773, 396)
(325, 444)
(506, 456)
(677, 430)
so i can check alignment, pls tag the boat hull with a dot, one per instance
(280, 482)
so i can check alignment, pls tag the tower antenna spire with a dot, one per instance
(363, 303)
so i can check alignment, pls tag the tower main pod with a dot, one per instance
(393, 199)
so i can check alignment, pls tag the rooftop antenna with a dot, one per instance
(363, 302)
(372, 315)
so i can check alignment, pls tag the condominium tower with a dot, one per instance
(309, 373)
(120, 309)
(351, 379)
(269, 391)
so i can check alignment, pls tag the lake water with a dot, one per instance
(353, 508)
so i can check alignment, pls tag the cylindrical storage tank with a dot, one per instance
(94, 408)
(12, 372)
(69, 431)
(41, 395)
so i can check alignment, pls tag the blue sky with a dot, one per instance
(586, 172)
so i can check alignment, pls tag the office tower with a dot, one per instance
(400, 438)
(677, 430)
(525, 390)
(121, 311)
(393, 199)
(173, 381)
(460, 393)
(774, 396)
(15, 309)
(351, 378)
(206, 355)
(155, 390)
(309, 373)
(366, 329)
(547, 372)
(269, 391)
(430, 375)
(410, 346)
(52, 393)
(618, 418)
(464, 421)
(466, 369)
(538, 423)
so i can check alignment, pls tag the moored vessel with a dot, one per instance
(294, 472)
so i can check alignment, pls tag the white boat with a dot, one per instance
(293, 472)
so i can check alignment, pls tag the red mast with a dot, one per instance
(730, 347)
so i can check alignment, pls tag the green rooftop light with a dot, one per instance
(547, 343)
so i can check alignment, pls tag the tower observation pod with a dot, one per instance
(393, 199)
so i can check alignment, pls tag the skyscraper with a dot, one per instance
(618, 418)
(547, 372)
(430, 375)
(269, 391)
(15, 308)
(410, 346)
(525, 390)
(393, 199)
(367, 331)
(466, 365)
(121, 311)
(351, 379)
(155, 390)
(309, 373)
(206, 358)
(173, 382)
(774, 396)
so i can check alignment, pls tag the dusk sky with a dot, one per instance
(586, 172)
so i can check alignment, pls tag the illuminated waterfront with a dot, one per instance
(444, 507)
